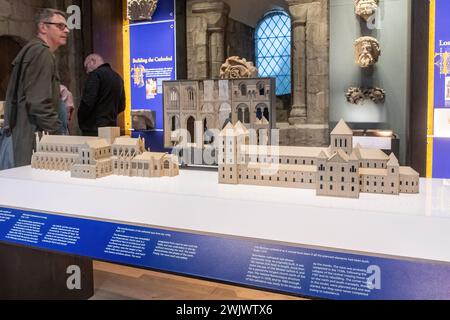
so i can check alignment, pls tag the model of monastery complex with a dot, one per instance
(341, 170)
(96, 157)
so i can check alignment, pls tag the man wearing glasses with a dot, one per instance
(33, 96)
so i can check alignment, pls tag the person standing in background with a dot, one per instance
(32, 99)
(66, 108)
(103, 97)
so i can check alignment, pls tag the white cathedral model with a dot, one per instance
(96, 157)
(340, 170)
(198, 106)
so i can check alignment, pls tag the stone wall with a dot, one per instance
(239, 40)
(208, 44)
(310, 73)
(17, 17)
(206, 28)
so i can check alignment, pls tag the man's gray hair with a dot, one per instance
(44, 15)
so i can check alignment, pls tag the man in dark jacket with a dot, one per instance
(103, 97)
(32, 99)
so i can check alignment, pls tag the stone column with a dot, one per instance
(298, 13)
(216, 51)
(310, 34)
(211, 49)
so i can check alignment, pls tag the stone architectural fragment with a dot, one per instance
(357, 95)
(141, 9)
(367, 51)
(366, 8)
(238, 68)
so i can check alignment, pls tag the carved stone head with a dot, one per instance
(141, 9)
(367, 51)
(237, 68)
(366, 8)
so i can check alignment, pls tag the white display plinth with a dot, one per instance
(410, 226)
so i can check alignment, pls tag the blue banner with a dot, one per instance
(153, 59)
(442, 55)
(441, 88)
(261, 264)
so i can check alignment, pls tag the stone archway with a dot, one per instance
(191, 128)
(10, 47)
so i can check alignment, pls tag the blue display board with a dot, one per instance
(153, 59)
(440, 87)
(284, 268)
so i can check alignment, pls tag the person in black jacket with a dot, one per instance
(103, 97)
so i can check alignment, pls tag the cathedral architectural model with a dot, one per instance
(341, 170)
(195, 107)
(96, 157)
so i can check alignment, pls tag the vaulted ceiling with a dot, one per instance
(250, 11)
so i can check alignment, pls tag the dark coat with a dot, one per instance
(38, 99)
(103, 99)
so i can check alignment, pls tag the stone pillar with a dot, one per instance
(298, 14)
(310, 62)
(206, 25)
(216, 51)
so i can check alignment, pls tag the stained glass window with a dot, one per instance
(273, 49)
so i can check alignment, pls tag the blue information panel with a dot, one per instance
(153, 59)
(441, 104)
(283, 268)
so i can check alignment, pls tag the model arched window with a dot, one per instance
(273, 49)
(175, 123)
(243, 113)
(174, 98)
(243, 88)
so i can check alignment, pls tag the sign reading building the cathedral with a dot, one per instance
(150, 65)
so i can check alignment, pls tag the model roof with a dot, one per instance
(298, 152)
(373, 172)
(66, 140)
(262, 121)
(342, 129)
(228, 130)
(408, 171)
(240, 129)
(98, 144)
(149, 156)
(339, 156)
(353, 156)
(372, 154)
(282, 167)
(126, 141)
(237, 130)
(393, 161)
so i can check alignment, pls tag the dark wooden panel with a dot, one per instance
(419, 86)
(181, 39)
(107, 23)
(27, 273)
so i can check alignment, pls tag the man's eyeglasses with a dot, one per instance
(61, 26)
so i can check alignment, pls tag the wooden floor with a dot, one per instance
(114, 282)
